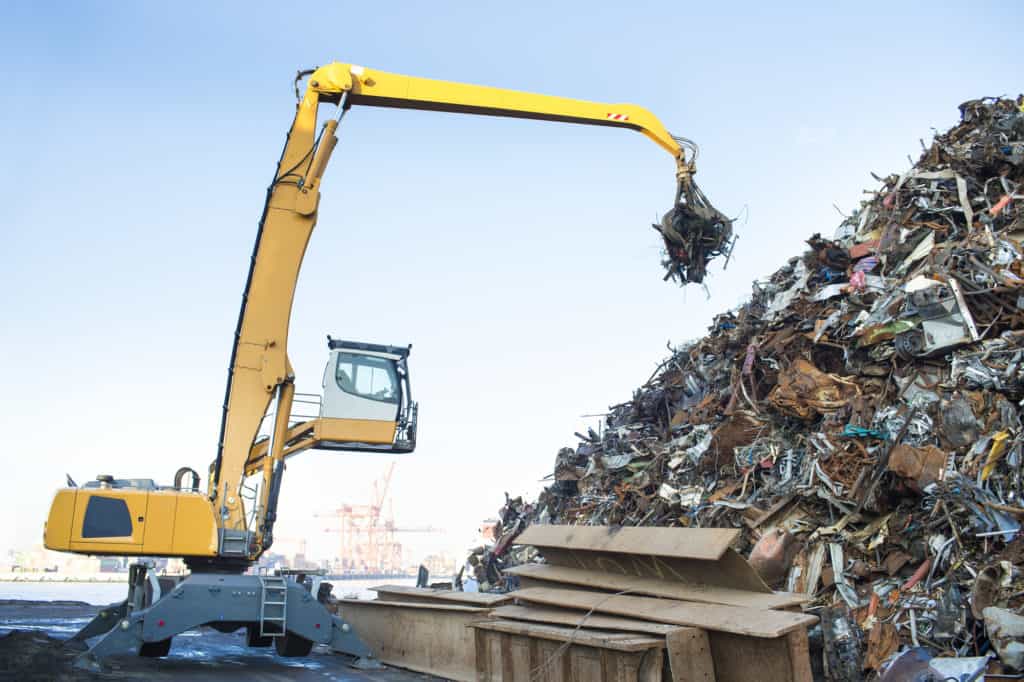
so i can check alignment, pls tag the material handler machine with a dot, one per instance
(367, 405)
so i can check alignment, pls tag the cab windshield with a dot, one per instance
(367, 376)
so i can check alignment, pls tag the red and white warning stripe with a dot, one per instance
(617, 117)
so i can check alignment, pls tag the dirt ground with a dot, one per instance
(34, 647)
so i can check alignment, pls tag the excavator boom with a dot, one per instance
(372, 87)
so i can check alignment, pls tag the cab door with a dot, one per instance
(109, 520)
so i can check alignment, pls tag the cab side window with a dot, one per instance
(106, 517)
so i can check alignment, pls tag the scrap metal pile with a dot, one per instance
(859, 418)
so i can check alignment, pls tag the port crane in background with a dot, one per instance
(367, 541)
(366, 405)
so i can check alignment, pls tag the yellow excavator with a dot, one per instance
(366, 405)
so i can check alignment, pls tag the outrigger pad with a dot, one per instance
(695, 232)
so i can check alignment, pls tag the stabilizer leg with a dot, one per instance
(344, 640)
(107, 618)
(124, 638)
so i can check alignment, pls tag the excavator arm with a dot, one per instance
(371, 87)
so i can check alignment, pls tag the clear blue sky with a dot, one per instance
(517, 257)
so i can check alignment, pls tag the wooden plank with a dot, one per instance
(519, 660)
(799, 656)
(505, 651)
(689, 655)
(419, 605)
(594, 621)
(512, 657)
(651, 666)
(587, 664)
(555, 664)
(645, 667)
(682, 543)
(526, 581)
(731, 570)
(485, 671)
(734, 619)
(615, 641)
(655, 587)
(427, 595)
(741, 659)
(492, 651)
(784, 658)
(435, 639)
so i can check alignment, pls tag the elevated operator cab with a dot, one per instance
(366, 395)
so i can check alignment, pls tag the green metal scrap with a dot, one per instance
(884, 332)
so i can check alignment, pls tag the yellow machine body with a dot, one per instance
(132, 521)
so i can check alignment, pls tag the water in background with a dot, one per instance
(105, 593)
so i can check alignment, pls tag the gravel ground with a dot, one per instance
(33, 648)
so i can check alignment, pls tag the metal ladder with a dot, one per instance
(273, 605)
(234, 543)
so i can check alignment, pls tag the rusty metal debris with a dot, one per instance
(859, 418)
(694, 231)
